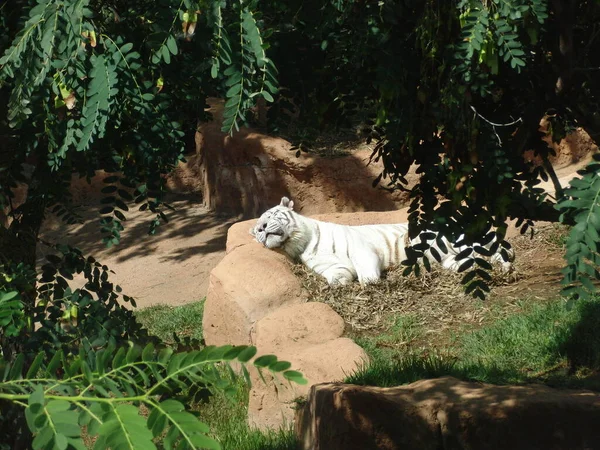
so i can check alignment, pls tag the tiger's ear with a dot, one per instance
(287, 203)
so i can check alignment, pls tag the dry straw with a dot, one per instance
(436, 298)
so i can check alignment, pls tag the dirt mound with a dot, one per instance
(249, 172)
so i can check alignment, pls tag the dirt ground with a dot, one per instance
(170, 267)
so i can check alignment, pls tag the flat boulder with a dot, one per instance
(446, 413)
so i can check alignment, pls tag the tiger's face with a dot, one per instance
(274, 227)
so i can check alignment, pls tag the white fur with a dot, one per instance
(343, 253)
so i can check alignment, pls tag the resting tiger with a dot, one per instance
(343, 253)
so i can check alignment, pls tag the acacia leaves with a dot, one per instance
(250, 73)
(92, 88)
(12, 315)
(100, 89)
(104, 391)
(582, 202)
(496, 30)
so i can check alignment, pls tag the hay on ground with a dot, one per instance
(437, 298)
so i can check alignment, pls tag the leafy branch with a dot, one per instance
(104, 391)
(581, 201)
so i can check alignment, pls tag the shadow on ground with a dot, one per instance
(169, 267)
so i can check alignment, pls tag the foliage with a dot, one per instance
(249, 72)
(104, 391)
(459, 89)
(582, 201)
(114, 86)
(65, 318)
(78, 353)
(91, 85)
(225, 413)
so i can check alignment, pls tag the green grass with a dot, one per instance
(163, 320)
(401, 336)
(225, 415)
(551, 343)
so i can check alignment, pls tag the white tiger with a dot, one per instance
(342, 253)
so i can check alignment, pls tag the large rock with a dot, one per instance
(247, 285)
(254, 298)
(273, 404)
(446, 413)
(309, 337)
(293, 328)
(239, 234)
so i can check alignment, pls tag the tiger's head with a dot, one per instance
(275, 226)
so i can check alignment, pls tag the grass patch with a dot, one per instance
(550, 343)
(227, 418)
(226, 415)
(524, 343)
(164, 320)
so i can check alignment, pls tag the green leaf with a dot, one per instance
(172, 44)
(16, 369)
(265, 360)
(268, 97)
(126, 48)
(234, 90)
(166, 55)
(247, 354)
(6, 296)
(54, 363)
(295, 377)
(56, 406)
(280, 366)
(43, 438)
(37, 396)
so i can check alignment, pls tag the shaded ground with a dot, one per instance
(171, 267)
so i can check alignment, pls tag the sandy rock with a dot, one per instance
(446, 413)
(272, 404)
(293, 328)
(247, 285)
(239, 234)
